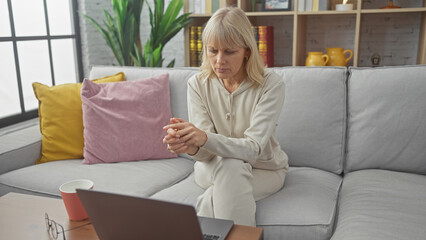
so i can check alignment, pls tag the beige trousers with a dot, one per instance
(232, 187)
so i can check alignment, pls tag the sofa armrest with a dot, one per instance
(19, 147)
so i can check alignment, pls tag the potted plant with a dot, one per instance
(164, 26)
(121, 31)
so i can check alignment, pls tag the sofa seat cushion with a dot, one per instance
(304, 209)
(381, 204)
(139, 178)
(185, 192)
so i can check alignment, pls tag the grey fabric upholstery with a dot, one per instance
(311, 129)
(386, 122)
(382, 205)
(134, 178)
(177, 77)
(20, 148)
(186, 192)
(303, 209)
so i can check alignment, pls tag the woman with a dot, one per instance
(234, 104)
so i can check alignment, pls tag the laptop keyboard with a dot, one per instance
(210, 237)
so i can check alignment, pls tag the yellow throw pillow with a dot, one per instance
(61, 119)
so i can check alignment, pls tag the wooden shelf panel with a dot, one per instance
(272, 13)
(395, 10)
(300, 25)
(331, 12)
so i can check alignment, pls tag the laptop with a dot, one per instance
(116, 216)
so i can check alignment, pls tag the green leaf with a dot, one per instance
(137, 57)
(171, 14)
(171, 64)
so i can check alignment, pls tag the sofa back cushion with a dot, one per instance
(311, 128)
(177, 79)
(124, 122)
(61, 122)
(387, 119)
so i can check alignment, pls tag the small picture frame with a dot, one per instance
(276, 5)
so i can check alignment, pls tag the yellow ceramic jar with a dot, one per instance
(316, 59)
(338, 56)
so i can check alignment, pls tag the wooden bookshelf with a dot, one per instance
(300, 26)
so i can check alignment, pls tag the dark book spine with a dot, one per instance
(199, 45)
(256, 35)
(266, 44)
(193, 58)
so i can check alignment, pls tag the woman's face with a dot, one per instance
(227, 63)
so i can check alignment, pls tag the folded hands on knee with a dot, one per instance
(183, 137)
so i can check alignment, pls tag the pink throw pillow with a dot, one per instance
(124, 121)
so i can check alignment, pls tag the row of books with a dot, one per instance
(203, 6)
(313, 5)
(264, 36)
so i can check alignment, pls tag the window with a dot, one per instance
(39, 42)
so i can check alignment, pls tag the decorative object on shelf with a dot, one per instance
(345, 6)
(276, 5)
(338, 57)
(121, 31)
(316, 59)
(375, 59)
(390, 5)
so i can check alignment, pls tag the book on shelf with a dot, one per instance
(195, 46)
(313, 5)
(199, 45)
(308, 5)
(301, 5)
(256, 35)
(264, 36)
(215, 5)
(323, 5)
(266, 44)
(203, 6)
(193, 59)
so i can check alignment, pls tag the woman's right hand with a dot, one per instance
(183, 137)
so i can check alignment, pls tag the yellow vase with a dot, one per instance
(338, 56)
(316, 59)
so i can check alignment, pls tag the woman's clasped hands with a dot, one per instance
(183, 137)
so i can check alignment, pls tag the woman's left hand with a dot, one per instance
(183, 137)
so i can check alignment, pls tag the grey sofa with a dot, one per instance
(356, 141)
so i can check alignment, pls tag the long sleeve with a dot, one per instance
(199, 116)
(257, 136)
(238, 125)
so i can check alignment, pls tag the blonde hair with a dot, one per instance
(230, 27)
